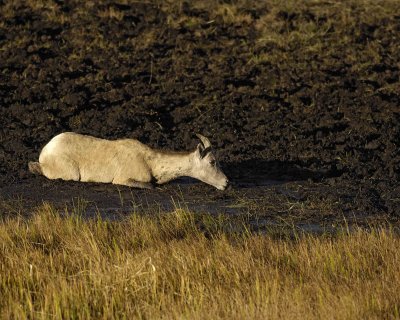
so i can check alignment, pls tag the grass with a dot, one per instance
(185, 266)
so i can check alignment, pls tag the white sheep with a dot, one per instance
(72, 156)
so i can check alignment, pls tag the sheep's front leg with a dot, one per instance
(135, 184)
(142, 185)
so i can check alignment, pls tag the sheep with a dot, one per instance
(77, 157)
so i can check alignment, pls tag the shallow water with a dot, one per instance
(270, 204)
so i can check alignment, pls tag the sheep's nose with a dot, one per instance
(228, 185)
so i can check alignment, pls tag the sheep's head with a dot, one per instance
(206, 167)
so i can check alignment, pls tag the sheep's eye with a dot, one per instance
(212, 162)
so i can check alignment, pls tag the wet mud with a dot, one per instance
(301, 104)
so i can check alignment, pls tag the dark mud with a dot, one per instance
(302, 103)
(272, 204)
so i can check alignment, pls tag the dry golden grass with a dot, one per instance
(184, 266)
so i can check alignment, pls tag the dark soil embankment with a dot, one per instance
(303, 92)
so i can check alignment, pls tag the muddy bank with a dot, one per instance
(306, 94)
(304, 204)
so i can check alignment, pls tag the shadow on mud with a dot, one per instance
(258, 172)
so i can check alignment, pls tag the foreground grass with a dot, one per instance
(179, 265)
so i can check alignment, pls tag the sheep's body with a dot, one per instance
(72, 156)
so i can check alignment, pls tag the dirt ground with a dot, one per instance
(301, 99)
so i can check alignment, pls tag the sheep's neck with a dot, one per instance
(166, 166)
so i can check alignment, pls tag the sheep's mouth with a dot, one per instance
(222, 187)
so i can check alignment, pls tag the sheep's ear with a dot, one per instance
(202, 151)
(206, 143)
